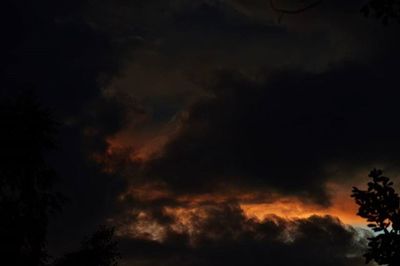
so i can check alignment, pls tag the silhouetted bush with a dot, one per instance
(26, 197)
(379, 204)
(100, 249)
(384, 10)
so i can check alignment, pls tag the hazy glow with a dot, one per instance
(343, 207)
(190, 209)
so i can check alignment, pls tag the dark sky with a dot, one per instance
(210, 132)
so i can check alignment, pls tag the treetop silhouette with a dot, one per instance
(384, 10)
(380, 206)
(27, 198)
(100, 249)
(26, 180)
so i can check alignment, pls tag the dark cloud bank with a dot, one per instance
(275, 135)
(278, 133)
(227, 237)
(285, 132)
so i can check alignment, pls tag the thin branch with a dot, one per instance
(294, 11)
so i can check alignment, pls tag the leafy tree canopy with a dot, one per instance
(379, 205)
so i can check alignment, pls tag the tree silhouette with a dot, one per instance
(384, 10)
(97, 250)
(26, 197)
(379, 204)
(304, 7)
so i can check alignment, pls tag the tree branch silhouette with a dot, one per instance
(100, 249)
(26, 181)
(384, 10)
(294, 11)
(380, 206)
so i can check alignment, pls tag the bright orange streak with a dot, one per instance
(191, 208)
(253, 205)
(343, 207)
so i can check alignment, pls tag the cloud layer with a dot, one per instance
(222, 235)
(283, 133)
(193, 108)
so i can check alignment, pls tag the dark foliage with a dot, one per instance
(97, 250)
(26, 197)
(49, 47)
(384, 10)
(53, 48)
(379, 204)
(26, 191)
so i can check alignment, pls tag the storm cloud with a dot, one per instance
(222, 235)
(175, 113)
(283, 133)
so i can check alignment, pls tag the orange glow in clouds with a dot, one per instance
(343, 207)
(253, 205)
